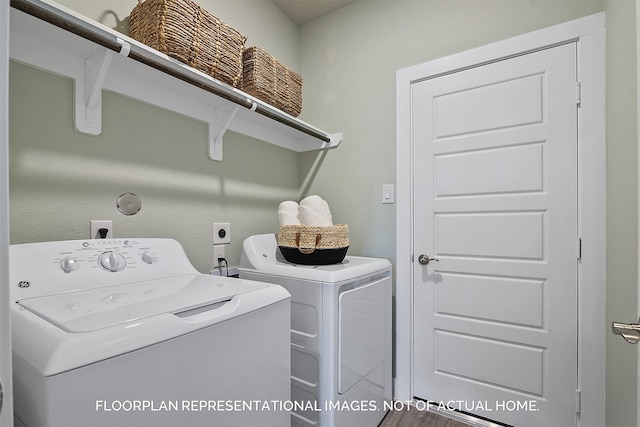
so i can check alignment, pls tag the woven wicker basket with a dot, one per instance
(267, 79)
(185, 31)
(311, 245)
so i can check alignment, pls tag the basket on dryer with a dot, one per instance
(314, 245)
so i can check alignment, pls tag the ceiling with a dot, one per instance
(303, 11)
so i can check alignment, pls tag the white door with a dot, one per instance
(495, 201)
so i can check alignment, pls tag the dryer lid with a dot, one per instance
(260, 253)
(98, 308)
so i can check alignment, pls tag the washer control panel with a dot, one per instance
(110, 255)
(82, 264)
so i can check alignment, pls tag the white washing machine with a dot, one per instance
(340, 334)
(127, 333)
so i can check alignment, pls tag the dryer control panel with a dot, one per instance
(53, 267)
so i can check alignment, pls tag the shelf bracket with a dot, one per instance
(88, 106)
(216, 134)
(336, 139)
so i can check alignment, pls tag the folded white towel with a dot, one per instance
(321, 217)
(318, 204)
(288, 213)
(288, 205)
(309, 216)
(287, 218)
(312, 210)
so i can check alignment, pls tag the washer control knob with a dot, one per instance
(69, 264)
(148, 258)
(112, 261)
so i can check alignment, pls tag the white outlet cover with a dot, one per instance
(217, 226)
(218, 252)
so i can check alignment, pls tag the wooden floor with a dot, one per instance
(412, 417)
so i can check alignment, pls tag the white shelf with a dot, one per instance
(49, 36)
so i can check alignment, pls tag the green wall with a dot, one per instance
(61, 179)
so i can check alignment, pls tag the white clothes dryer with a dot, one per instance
(127, 333)
(340, 334)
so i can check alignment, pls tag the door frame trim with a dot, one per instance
(589, 34)
(6, 409)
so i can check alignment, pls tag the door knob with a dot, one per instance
(629, 331)
(424, 259)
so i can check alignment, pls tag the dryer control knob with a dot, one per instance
(148, 258)
(69, 264)
(112, 261)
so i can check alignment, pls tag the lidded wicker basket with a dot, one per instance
(185, 31)
(314, 245)
(270, 81)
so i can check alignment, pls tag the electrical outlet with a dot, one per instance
(218, 252)
(97, 229)
(221, 233)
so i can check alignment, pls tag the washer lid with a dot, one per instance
(99, 308)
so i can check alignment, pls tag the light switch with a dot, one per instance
(387, 193)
